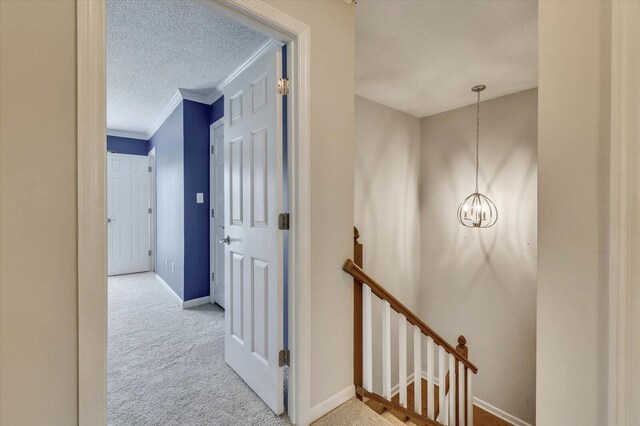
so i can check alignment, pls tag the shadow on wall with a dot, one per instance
(482, 282)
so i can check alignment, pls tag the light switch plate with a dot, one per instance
(200, 197)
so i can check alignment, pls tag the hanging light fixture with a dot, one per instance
(477, 210)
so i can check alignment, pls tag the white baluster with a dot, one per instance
(442, 367)
(386, 350)
(431, 396)
(452, 390)
(461, 394)
(367, 340)
(469, 397)
(402, 361)
(417, 370)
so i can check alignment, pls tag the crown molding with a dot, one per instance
(189, 95)
(266, 47)
(127, 134)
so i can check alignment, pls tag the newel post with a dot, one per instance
(357, 314)
(462, 346)
(463, 350)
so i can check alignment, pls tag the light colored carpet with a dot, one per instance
(166, 365)
(352, 412)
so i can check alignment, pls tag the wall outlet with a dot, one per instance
(200, 197)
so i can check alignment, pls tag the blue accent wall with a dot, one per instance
(196, 216)
(182, 171)
(169, 143)
(217, 110)
(122, 145)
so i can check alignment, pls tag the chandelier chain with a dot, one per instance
(477, 138)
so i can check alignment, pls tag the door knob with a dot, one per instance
(226, 240)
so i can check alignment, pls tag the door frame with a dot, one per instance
(153, 205)
(92, 213)
(213, 195)
(624, 209)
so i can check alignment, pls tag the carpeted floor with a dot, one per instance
(352, 412)
(166, 365)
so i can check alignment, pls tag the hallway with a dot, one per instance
(166, 365)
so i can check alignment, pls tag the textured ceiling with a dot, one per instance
(423, 57)
(155, 47)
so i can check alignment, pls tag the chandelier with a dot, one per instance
(477, 210)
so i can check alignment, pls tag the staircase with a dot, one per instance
(442, 364)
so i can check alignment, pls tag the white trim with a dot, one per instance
(195, 302)
(509, 418)
(492, 409)
(189, 95)
(172, 293)
(212, 240)
(217, 92)
(92, 251)
(92, 213)
(624, 280)
(263, 17)
(331, 403)
(166, 112)
(128, 134)
(184, 304)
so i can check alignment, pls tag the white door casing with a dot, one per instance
(253, 199)
(128, 213)
(216, 200)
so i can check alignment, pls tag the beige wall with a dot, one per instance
(482, 282)
(332, 147)
(574, 61)
(38, 210)
(38, 281)
(387, 211)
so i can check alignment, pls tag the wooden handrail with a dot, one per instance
(356, 272)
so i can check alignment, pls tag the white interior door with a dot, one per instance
(253, 255)
(128, 213)
(216, 199)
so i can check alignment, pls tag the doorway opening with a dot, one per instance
(196, 140)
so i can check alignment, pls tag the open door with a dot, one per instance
(253, 251)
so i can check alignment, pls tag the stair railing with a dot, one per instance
(453, 403)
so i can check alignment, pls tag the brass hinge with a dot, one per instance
(283, 357)
(283, 86)
(283, 221)
(150, 252)
(150, 210)
(149, 169)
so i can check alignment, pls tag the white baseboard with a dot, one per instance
(195, 302)
(510, 418)
(499, 413)
(183, 304)
(173, 294)
(331, 403)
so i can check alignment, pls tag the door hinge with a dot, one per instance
(150, 169)
(213, 149)
(283, 357)
(283, 221)
(150, 210)
(283, 86)
(213, 213)
(213, 275)
(150, 252)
